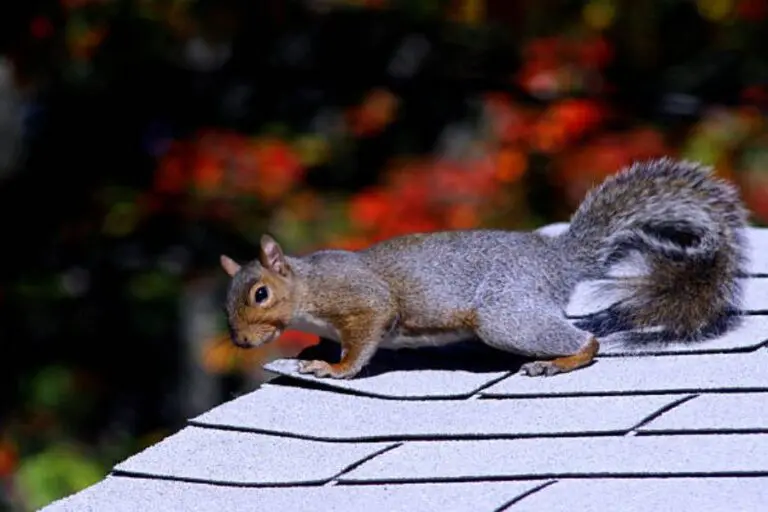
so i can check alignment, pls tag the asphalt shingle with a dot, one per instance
(421, 461)
(684, 426)
(733, 412)
(758, 248)
(638, 375)
(220, 456)
(163, 495)
(420, 384)
(641, 495)
(305, 413)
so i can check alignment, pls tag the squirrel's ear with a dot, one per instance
(229, 265)
(271, 256)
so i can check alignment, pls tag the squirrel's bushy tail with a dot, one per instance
(685, 225)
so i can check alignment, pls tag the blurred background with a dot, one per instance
(139, 139)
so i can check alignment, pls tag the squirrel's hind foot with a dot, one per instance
(582, 358)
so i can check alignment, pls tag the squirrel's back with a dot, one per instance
(439, 274)
(463, 256)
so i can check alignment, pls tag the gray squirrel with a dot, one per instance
(683, 227)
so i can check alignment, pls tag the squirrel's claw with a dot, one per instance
(324, 369)
(540, 368)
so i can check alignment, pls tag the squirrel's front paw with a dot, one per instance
(324, 369)
(539, 368)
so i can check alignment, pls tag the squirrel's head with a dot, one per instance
(259, 304)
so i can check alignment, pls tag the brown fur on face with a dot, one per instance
(254, 322)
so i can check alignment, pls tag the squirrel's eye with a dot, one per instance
(260, 295)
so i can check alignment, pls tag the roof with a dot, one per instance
(455, 429)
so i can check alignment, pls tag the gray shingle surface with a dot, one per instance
(634, 495)
(303, 412)
(419, 384)
(733, 412)
(630, 375)
(567, 457)
(245, 458)
(461, 431)
(170, 496)
(758, 249)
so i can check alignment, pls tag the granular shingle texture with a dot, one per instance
(677, 426)
(120, 494)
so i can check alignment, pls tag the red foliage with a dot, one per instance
(595, 53)
(423, 196)
(755, 192)
(555, 66)
(752, 10)
(171, 174)
(511, 164)
(376, 111)
(41, 28)
(225, 163)
(564, 122)
(756, 95)
(278, 169)
(9, 458)
(584, 166)
(369, 208)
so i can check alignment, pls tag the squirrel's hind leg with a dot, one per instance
(558, 346)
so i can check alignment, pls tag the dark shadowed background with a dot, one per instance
(139, 139)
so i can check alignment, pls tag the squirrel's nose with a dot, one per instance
(241, 341)
(238, 339)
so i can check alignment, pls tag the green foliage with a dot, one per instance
(51, 388)
(55, 472)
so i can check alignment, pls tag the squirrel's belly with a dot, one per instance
(425, 340)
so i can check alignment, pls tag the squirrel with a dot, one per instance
(678, 223)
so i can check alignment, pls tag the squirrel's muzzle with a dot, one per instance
(250, 339)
